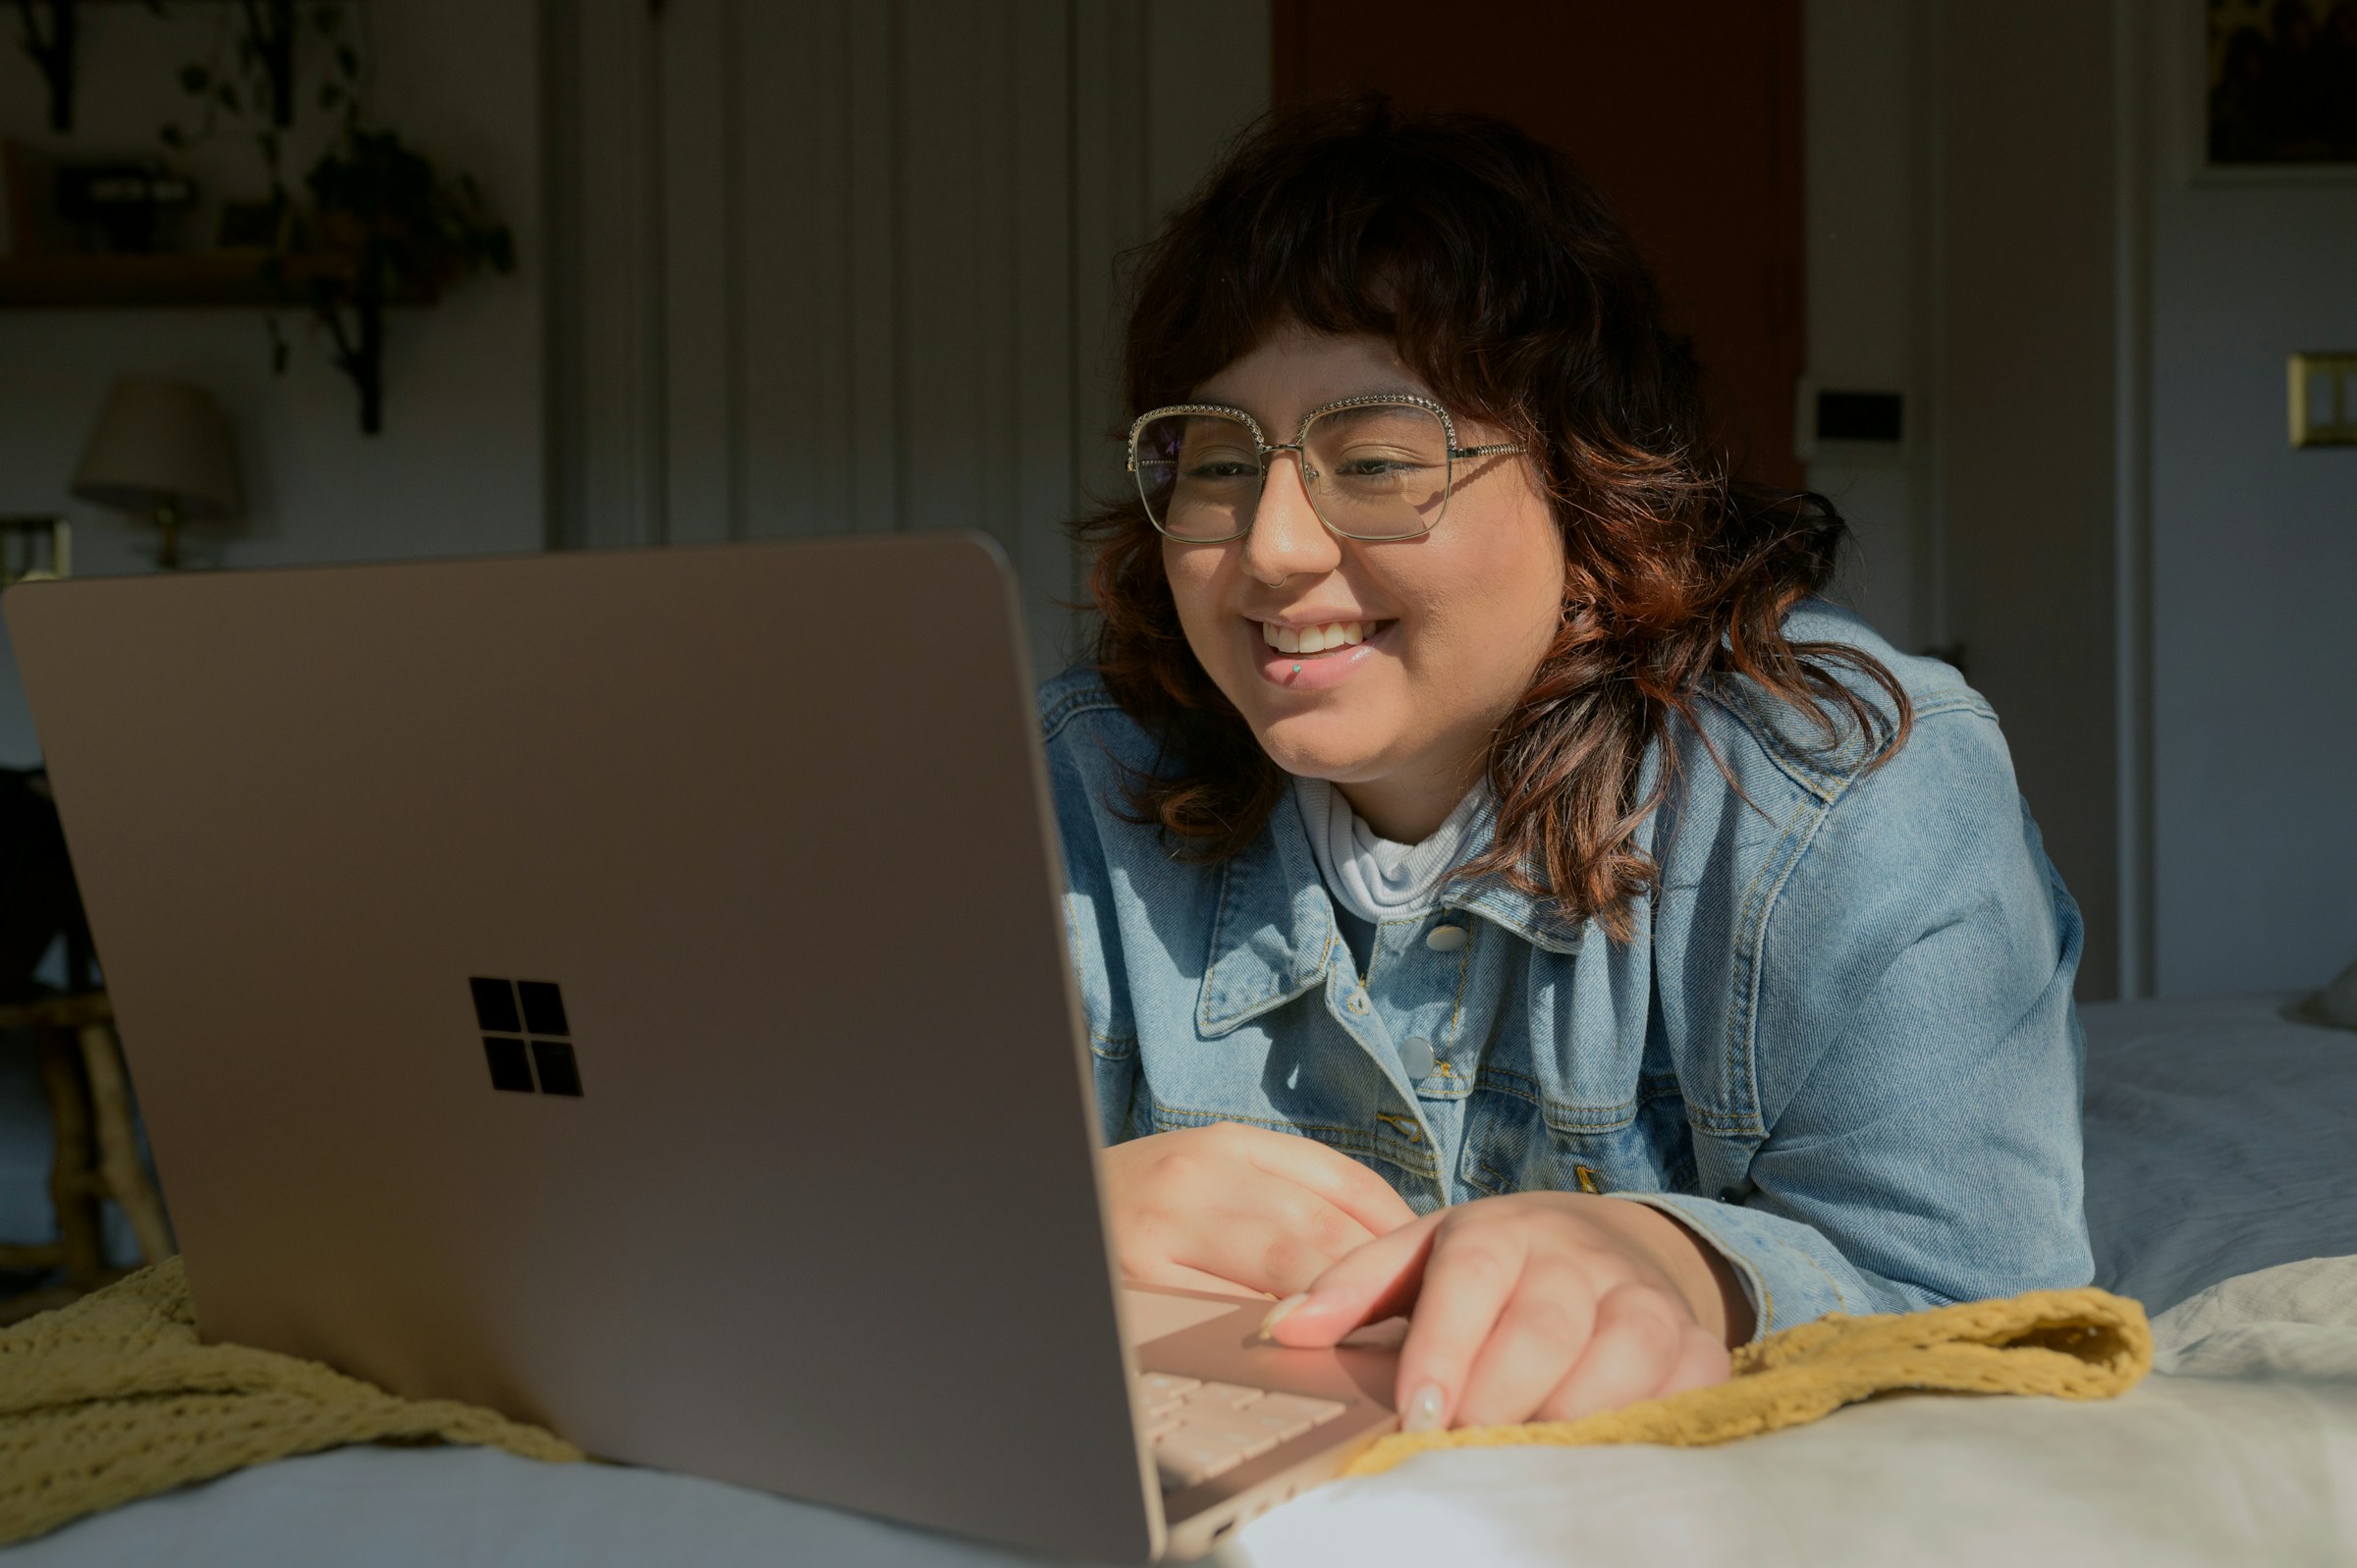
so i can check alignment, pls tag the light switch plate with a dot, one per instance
(2324, 400)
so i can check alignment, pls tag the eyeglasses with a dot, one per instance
(1378, 466)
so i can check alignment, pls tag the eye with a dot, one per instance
(1211, 470)
(1377, 463)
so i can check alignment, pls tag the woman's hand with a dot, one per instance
(1225, 1206)
(1543, 1306)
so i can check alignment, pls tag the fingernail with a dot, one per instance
(1279, 1313)
(1423, 1412)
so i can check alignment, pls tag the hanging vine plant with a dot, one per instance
(378, 222)
(407, 232)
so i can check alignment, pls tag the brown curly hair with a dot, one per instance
(1507, 284)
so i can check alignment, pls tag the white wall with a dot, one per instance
(2026, 416)
(2254, 569)
(1868, 293)
(458, 467)
(1963, 247)
(882, 300)
(2007, 217)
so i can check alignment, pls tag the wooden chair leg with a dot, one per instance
(82, 1245)
(119, 1167)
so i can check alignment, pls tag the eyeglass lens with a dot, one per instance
(1379, 472)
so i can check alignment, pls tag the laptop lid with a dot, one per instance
(747, 844)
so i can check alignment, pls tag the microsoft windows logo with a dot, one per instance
(545, 1061)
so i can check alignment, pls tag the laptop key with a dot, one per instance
(1203, 1445)
(1186, 1458)
(1316, 1410)
(1280, 1426)
(1201, 1430)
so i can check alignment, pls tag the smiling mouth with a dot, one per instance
(1309, 641)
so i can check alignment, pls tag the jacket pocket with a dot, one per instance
(1514, 1142)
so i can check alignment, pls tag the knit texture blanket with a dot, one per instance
(113, 1399)
(2071, 1344)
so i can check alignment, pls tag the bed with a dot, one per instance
(2220, 1183)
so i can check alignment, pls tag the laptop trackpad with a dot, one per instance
(1148, 1314)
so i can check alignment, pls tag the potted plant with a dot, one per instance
(382, 225)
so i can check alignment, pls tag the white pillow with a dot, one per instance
(2297, 1319)
(2335, 1005)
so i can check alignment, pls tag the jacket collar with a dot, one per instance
(1274, 935)
(1497, 900)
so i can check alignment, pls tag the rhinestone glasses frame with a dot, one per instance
(1264, 452)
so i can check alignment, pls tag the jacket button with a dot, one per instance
(1415, 1058)
(1446, 939)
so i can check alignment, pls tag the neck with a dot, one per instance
(1409, 808)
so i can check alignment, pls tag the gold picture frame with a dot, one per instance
(2324, 400)
(35, 546)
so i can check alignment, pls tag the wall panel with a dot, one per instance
(883, 276)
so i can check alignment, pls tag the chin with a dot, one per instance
(1316, 746)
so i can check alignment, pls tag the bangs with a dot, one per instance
(1422, 234)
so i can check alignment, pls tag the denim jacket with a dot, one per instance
(1841, 1045)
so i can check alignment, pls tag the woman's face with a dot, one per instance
(1455, 620)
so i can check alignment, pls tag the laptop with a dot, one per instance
(628, 991)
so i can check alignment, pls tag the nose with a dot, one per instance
(1287, 537)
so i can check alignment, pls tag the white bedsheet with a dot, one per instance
(2218, 1140)
(2204, 1473)
(2247, 1454)
(2218, 1144)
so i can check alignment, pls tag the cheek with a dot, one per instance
(1193, 575)
(1486, 628)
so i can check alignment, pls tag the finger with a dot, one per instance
(1540, 1336)
(1472, 1272)
(1638, 1338)
(1333, 1175)
(1379, 1281)
(1178, 1275)
(1701, 1363)
(1264, 1250)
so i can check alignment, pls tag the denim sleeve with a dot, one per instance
(1918, 1058)
(1093, 938)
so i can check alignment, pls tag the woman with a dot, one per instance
(1498, 886)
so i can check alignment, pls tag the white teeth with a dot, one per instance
(1317, 640)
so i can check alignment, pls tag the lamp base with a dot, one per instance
(167, 551)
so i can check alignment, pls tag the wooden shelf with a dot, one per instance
(202, 278)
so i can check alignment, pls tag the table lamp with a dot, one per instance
(161, 452)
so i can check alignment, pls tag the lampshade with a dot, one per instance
(161, 443)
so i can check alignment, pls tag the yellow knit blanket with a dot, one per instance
(2073, 1344)
(113, 1398)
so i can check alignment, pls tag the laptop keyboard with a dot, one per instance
(1201, 1430)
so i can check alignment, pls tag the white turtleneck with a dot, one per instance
(1375, 877)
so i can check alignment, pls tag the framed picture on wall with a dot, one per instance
(2281, 86)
